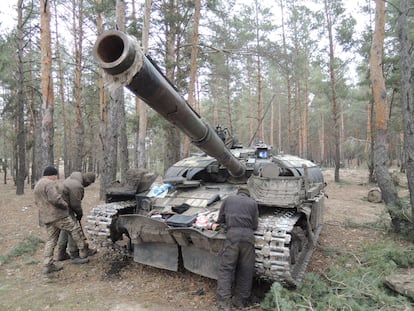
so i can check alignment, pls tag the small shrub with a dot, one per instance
(27, 246)
(381, 224)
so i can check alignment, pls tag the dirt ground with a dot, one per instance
(110, 282)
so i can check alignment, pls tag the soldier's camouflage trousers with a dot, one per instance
(66, 241)
(53, 230)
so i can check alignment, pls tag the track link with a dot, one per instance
(101, 219)
(273, 249)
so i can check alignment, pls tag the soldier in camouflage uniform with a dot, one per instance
(54, 215)
(73, 192)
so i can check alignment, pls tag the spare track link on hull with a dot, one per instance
(100, 221)
(272, 241)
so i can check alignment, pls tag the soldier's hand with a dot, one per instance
(79, 216)
(215, 227)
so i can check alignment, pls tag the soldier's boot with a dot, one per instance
(51, 268)
(74, 254)
(222, 305)
(86, 252)
(62, 255)
(238, 302)
(76, 259)
(89, 251)
(79, 261)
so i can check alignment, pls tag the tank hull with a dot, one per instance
(290, 221)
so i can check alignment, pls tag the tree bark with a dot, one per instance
(112, 137)
(389, 193)
(193, 69)
(297, 119)
(142, 148)
(21, 131)
(335, 109)
(172, 136)
(407, 99)
(123, 139)
(34, 119)
(261, 134)
(369, 146)
(288, 83)
(47, 86)
(66, 157)
(104, 170)
(79, 128)
(306, 114)
(252, 131)
(228, 102)
(322, 139)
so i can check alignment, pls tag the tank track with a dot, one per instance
(100, 221)
(274, 242)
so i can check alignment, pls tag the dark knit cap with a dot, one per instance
(50, 171)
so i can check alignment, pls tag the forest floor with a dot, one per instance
(110, 282)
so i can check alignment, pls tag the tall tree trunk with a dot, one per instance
(66, 161)
(79, 128)
(114, 115)
(288, 83)
(142, 148)
(335, 109)
(407, 99)
(193, 69)
(369, 146)
(298, 112)
(228, 102)
(35, 121)
(250, 103)
(322, 139)
(272, 124)
(259, 78)
(389, 193)
(106, 176)
(21, 131)
(215, 111)
(172, 136)
(306, 114)
(279, 127)
(113, 135)
(47, 86)
(123, 139)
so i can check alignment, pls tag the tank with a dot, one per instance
(166, 222)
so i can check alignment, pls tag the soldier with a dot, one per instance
(73, 192)
(54, 215)
(239, 215)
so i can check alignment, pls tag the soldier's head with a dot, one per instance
(243, 191)
(88, 178)
(50, 172)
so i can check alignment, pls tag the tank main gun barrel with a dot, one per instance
(121, 58)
